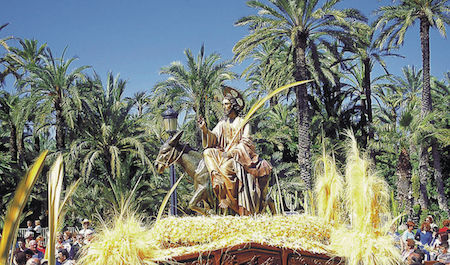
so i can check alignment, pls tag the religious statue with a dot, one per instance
(239, 178)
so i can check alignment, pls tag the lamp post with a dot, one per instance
(170, 118)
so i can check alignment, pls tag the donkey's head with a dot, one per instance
(168, 153)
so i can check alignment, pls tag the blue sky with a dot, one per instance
(137, 38)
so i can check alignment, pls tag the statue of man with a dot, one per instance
(238, 175)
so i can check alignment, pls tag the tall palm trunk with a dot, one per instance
(426, 108)
(442, 199)
(303, 111)
(368, 93)
(13, 141)
(404, 192)
(20, 148)
(59, 124)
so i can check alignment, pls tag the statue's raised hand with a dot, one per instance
(201, 123)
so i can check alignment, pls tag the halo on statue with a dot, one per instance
(226, 90)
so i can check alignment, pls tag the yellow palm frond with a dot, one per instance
(166, 199)
(55, 178)
(12, 219)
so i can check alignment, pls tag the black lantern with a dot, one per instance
(170, 118)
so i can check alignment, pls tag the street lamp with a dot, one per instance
(170, 118)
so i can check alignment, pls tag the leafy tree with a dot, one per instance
(394, 21)
(140, 101)
(4, 44)
(271, 68)
(193, 87)
(361, 42)
(300, 23)
(110, 132)
(52, 84)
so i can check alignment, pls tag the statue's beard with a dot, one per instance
(229, 112)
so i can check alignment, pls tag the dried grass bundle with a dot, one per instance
(125, 241)
(329, 188)
(364, 239)
(364, 248)
(367, 195)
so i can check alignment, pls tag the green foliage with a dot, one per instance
(415, 183)
(110, 142)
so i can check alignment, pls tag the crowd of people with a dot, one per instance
(427, 243)
(30, 250)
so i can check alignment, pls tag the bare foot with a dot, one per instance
(225, 203)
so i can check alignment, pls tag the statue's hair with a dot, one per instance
(234, 104)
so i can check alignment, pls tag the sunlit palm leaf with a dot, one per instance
(55, 178)
(166, 199)
(12, 220)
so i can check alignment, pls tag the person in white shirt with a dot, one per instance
(86, 229)
(37, 227)
(408, 234)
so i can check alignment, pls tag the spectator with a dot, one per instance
(435, 241)
(33, 248)
(28, 253)
(67, 237)
(430, 220)
(63, 258)
(424, 234)
(33, 261)
(395, 235)
(409, 249)
(37, 227)
(30, 226)
(41, 244)
(77, 245)
(20, 258)
(445, 225)
(20, 245)
(444, 257)
(408, 234)
(417, 256)
(29, 235)
(60, 242)
(89, 236)
(86, 227)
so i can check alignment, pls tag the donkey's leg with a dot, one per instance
(198, 196)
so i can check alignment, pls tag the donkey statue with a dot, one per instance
(191, 161)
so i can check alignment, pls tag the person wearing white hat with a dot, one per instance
(86, 230)
(29, 235)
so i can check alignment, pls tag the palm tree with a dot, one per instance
(140, 101)
(361, 42)
(9, 106)
(51, 83)
(300, 22)
(193, 87)
(394, 21)
(441, 94)
(396, 128)
(4, 44)
(271, 68)
(110, 132)
(29, 53)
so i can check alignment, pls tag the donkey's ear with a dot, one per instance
(174, 140)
